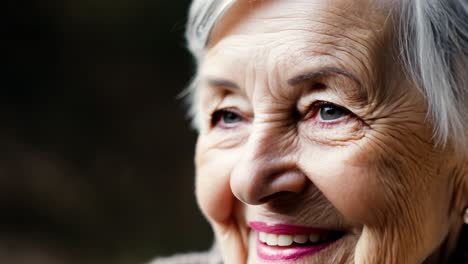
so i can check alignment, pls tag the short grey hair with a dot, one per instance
(433, 43)
(202, 18)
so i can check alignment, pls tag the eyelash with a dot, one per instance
(313, 115)
(314, 109)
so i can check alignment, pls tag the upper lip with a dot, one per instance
(285, 229)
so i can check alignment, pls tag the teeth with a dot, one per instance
(314, 238)
(300, 239)
(285, 240)
(272, 239)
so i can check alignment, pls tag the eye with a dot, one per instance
(327, 113)
(225, 118)
(330, 112)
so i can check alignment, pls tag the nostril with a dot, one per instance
(275, 196)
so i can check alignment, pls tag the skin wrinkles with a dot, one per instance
(286, 142)
(394, 168)
(399, 107)
(336, 37)
(336, 40)
(397, 121)
(221, 139)
(335, 141)
(458, 173)
(396, 133)
(333, 38)
(376, 173)
(314, 208)
(305, 52)
(360, 36)
(343, 83)
(365, 93)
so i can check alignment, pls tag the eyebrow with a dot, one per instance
(320, 73)
(297, 80)
(222, 83)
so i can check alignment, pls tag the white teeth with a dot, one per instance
(314, 238)
(300, 239)
(285, 240)
(272, 239)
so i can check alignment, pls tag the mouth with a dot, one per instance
(290, 242)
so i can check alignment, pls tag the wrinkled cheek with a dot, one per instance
(352, 189)
(356, 191)
(359, 198)
(214, 195)
(213, 191)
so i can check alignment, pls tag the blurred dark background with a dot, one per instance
(96, 153)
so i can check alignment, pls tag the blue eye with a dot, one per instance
(230, 117)
(225, 118)
(329, 112)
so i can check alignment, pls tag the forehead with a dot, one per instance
(267, 14)
(336, 19)
(284, 37)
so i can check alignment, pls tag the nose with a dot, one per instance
(266, 169)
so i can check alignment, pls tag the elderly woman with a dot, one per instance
(331, 131)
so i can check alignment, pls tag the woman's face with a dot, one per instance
(314, 148)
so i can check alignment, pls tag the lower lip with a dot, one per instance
(290, 253)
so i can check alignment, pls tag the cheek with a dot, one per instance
(350, 186)
(397, 194)
(213, 190)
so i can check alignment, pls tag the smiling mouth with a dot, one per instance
(289, 242)
(283, 240)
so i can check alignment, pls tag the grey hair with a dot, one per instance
(203, 16)
(433, 37)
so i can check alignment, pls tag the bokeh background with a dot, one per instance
(96, 157)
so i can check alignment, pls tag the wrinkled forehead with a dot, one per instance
(290, 36)
(322, 15)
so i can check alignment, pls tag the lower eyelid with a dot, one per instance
(345, 121)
